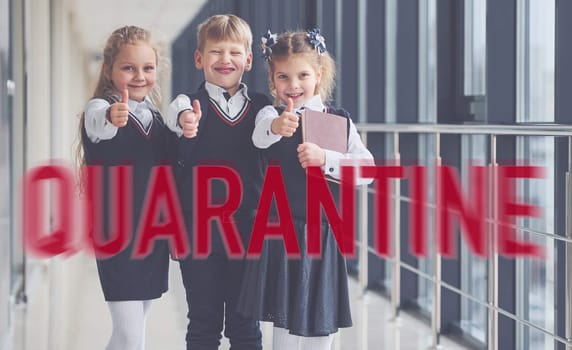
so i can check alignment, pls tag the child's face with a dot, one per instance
(295, 78)
(134, 68)
(224, 62)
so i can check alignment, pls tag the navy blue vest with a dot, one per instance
(220, 142)
(133, 146)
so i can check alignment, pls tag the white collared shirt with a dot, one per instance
(99, 128)
(358, 154)
(233, 107)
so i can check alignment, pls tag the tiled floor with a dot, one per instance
(82, 322)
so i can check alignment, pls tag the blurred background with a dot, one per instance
(485, 81)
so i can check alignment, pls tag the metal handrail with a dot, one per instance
(555, 236)
(493, 131)
(454, 289)
(470, 129)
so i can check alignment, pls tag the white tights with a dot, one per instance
(128, 319)
(283, 340)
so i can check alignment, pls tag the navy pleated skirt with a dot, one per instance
(306, 295)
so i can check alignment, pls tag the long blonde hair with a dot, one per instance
(116, 41)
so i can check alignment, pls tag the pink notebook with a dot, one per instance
(329, 131)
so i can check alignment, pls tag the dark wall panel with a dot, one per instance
(563, 113)
(407, 112)
(347, 79)
(501, 109)
(375, 61)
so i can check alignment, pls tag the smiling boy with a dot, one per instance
(216, 129)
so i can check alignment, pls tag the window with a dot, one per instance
(426, 151)
(535, 104)
(475, 47)
(5, 178)
(474, 269)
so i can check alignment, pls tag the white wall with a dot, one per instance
(57, 87)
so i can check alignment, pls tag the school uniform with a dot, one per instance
(212, 283)
(141, 144)
(307, 296)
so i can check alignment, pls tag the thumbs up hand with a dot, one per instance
(287, 123)
(189, 120)
(118, 113)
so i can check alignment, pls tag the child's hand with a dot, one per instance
(118, 113)
(287, 123)
(189, 120)
(310, 154)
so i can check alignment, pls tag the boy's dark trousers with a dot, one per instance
(212, 287)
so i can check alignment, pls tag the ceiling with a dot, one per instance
(164, 18)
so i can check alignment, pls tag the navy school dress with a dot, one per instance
(122, 276)
(307, 296)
